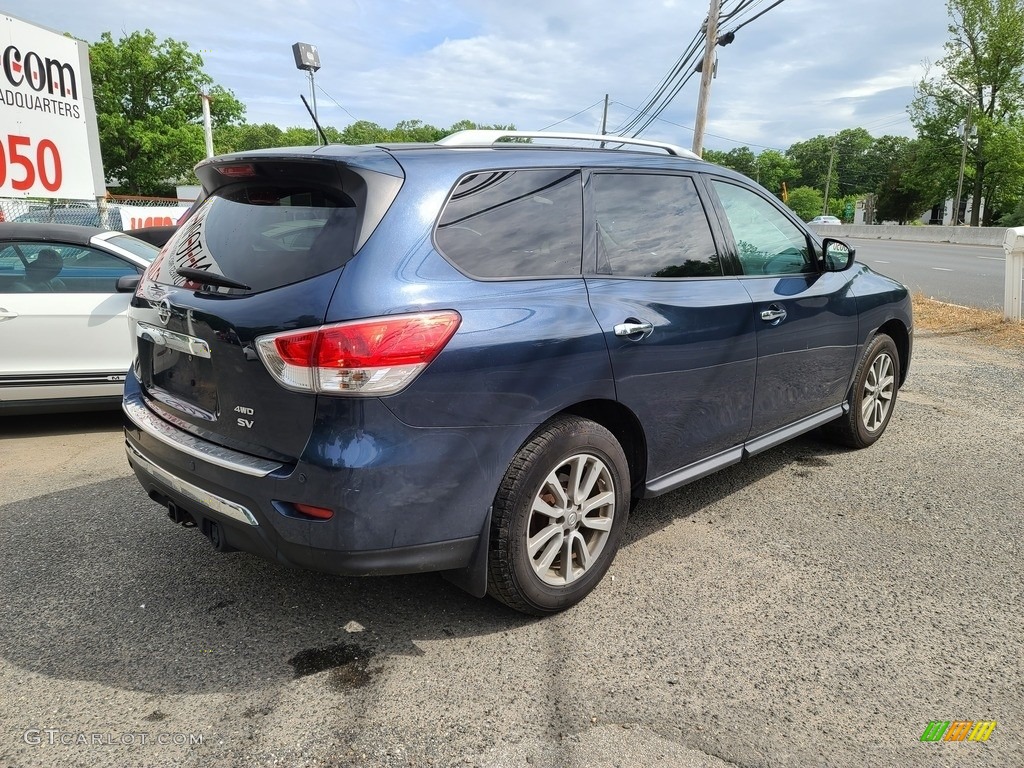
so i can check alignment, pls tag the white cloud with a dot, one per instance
(805, 68)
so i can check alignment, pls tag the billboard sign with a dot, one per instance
(49, 143)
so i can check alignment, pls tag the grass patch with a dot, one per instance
(982, 325)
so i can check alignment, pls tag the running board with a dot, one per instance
(704, 467)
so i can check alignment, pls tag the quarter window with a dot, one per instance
(767, 242)
(652, 225)
(514, 224)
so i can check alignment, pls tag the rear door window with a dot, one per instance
(265, 236)
(652, 225)
(515, 224)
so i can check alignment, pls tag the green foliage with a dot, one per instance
(980, 79)
(838, 207)
(847, 155)
(740, 159)
(149, 110)
(239, 138)
(1014, 218)
(806, 202)
(770, 168)
(773, 168)
(907, 187)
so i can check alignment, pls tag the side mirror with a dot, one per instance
(127, 283)
(838, 255)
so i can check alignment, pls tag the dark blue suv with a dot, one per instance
(472, 356)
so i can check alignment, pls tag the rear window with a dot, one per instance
(265, 236)
(133, 245)
(514, 224)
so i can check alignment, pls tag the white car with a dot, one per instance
(64, 295)
(825, 220)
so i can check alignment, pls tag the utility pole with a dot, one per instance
(706, 74)
(828, 179)
(963, 162)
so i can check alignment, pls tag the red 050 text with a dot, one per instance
(43, 163)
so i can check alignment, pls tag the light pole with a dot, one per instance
(207, 125)
(307, 57)
(963, 161)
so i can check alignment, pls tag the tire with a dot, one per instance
(872, 397)
(550, 547)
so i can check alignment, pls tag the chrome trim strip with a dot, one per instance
(190, 345)
(53, 380)
(214, 454)
(190, 491)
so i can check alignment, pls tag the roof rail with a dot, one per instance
(485, 138)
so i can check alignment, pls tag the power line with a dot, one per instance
(739, 9)
(682, 69)
(723, 138)
(758, 16)
(336, 103)
(570, 117)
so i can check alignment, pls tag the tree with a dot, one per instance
(773, 168)
(839, 162)
(149, 109)
(770, 168)
(906, 186)
(739, 159)
(240, 138)
(806, 202)
(980, 81)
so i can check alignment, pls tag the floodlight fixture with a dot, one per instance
(307, 57)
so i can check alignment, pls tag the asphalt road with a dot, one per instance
(971, 275)
(811, 607)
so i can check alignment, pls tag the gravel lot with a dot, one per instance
(812, 607)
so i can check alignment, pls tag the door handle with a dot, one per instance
(6, 314)
(774, 314)
(632, 327)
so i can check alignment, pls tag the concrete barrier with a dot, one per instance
(923, 234)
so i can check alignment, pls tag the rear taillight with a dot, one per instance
(371, 357)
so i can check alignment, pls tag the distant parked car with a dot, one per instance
(80, 216)
(825, 220)
(64, 294)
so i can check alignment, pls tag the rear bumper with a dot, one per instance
(231, 526)
(245, 503)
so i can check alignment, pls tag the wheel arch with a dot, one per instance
(624, 425)
(898, 332)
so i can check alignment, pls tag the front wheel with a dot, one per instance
(558, 517)
(872, 397)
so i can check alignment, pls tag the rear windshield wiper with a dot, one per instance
(208, 278)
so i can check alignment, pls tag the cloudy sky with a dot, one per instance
(806, 67)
